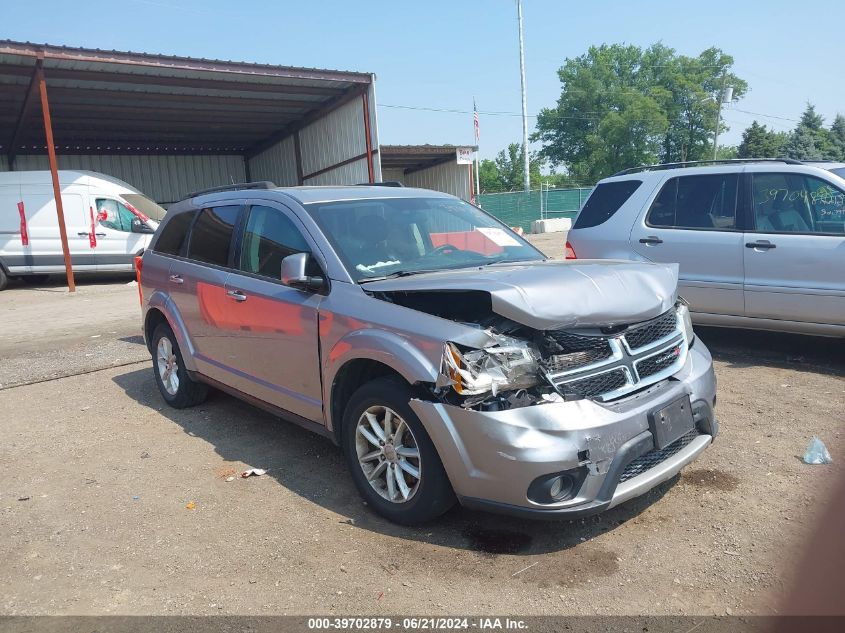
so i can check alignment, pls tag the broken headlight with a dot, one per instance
(507, 365)
(686, 320)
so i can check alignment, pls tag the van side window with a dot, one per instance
(211, 237)
(696, 202)
(269, 237)
(173, 234)
(114, 215)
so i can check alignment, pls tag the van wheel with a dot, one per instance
(175, 385)
(392, 459)
(4, 280)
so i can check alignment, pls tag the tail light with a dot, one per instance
(570, 252)
(139, 264)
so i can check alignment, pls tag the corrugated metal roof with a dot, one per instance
(115, 101)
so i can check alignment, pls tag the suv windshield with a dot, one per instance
(381, 237)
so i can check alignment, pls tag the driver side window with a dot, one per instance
(114, 215)
(269, 237)
(797, 203)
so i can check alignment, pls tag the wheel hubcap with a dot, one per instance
(388, 454)
(168, 367)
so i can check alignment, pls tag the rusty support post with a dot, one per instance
(54, 172)
(369, 140)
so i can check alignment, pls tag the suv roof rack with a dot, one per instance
(697, 163)
(261, 184)
(386, 183)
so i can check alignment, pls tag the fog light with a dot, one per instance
(557, 487)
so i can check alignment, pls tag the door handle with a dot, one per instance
(237, 295)
(177, 279)
(764, 244)
(100, 234)
(651, 239)
(83, 234)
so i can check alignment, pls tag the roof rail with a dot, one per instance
(386, 183)
(237, 186)
(698, 163)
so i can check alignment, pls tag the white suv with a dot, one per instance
(760, 243)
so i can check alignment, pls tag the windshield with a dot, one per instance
(381, 237)
(145, 206)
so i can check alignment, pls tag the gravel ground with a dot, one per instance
(111, 503)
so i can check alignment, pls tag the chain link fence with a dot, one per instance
(518, 208)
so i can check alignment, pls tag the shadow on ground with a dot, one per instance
(313, 467)
(747, 348)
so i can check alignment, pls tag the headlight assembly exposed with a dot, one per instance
(686, 320)
(508, 365)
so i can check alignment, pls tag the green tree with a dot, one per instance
(811, 127)
(505, 172)
(760, 142)
(622, 106)
(802, 145)
(837, 133)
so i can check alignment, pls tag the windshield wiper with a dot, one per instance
(398, 273)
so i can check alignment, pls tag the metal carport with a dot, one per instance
(446, 168)
(169, 125)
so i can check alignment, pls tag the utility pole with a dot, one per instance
(724, 97)
(526, 176)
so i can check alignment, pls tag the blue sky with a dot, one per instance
(441, 53)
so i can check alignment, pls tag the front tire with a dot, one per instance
(393, 461)
(177, 388)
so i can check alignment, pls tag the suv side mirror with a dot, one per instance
(293, 273)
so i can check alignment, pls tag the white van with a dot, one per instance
(108, 223)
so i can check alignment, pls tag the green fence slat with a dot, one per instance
(519, 208)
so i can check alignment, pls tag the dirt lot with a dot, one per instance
(97, 476)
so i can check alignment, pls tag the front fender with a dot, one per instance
(164, 304)
(414, 360)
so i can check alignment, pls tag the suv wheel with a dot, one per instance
(175, 385)
(393, 462)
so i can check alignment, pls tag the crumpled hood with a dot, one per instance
(558, 294)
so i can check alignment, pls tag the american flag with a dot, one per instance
(475, 120)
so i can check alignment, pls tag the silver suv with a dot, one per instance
(760, 243)
(445, 354)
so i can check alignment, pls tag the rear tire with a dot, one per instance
(177, 388)
(384, 440)
(4, 280)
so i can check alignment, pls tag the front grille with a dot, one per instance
(653, 458)
(652, 331)
(618, 363)
(597, 385)
(657, 363)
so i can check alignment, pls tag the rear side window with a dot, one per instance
(173, 234)
(696, 202)
(211, 237)
(605, 200)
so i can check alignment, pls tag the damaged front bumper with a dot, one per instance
(495, 459)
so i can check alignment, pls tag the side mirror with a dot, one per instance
(293, 273)
(138, 226)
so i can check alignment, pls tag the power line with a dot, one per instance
(768, 116)
(484, 112)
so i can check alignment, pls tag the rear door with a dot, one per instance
(274, 355)
(693, 221)
(795, 255)
(197, 285)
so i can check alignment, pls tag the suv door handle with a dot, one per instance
(237, 295)
(764, 244)
(177, 279)
(651, 239)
